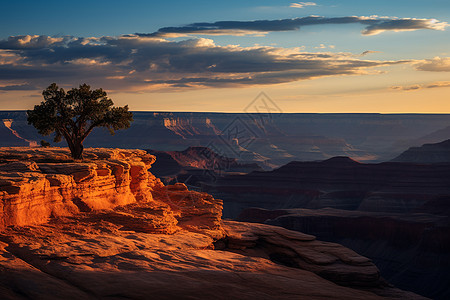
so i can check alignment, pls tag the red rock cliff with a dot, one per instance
(36, 184)
(39, 183)
(99, 229)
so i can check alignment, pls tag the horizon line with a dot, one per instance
(278, 113)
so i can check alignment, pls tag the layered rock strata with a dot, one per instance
(412, 251)
(107, 228)
(36, 183)
(339, 182)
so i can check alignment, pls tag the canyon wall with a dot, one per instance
(397, 214)
(340, 183)
(411, 250)
(105, 227)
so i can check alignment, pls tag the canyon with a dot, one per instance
(270, 140)
(320, 174)
(411, 250)
(395, 213)
(340, 183)
(197, 164)
(106, 227)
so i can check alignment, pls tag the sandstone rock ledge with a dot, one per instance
(37, 184)
(106, 228)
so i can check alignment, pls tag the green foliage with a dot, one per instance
(73, 115)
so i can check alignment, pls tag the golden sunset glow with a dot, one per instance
(307, 56)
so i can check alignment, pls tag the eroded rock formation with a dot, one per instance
(410, 250)
(37, 183)
(107, 228)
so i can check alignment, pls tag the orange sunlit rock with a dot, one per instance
(106, 227)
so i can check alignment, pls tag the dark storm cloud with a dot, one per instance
(374, 25)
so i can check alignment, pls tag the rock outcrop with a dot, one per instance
(94, 256)
(203, 158)
(107, 228)
(411, 250)
(37, 183)
(195, 165)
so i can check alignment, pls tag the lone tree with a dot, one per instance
(73, 115)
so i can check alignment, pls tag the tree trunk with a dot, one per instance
(77, 152)
(76, 148)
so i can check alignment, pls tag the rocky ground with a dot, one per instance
(107, 228)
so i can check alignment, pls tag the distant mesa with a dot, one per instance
(339, 182)
(300, 137)
(427, 153)
(340, 160)
(11, 137)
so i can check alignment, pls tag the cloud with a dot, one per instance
(409, 24)
(18, 87)
(374, 25)
(368, 52)
(136, 63)
(323, 46)
(416, 87)
(31, 42)
(302, 4)
(437, 64)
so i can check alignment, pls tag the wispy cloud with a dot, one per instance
(405, 24)
(139, 63)
(373, 25)
(323, 46)
(437, 64)
(368, 52)
(302, 4)
(18, 87)
(416, 87)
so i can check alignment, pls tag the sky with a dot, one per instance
(319, 56)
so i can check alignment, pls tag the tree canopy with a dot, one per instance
(73, 115)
